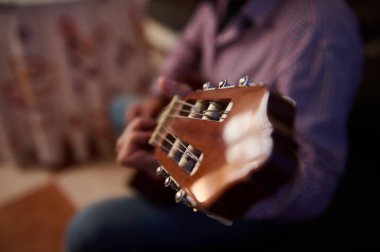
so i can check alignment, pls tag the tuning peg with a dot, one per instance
(169, 182)
(208, 86)
(244, 81)
(179, 196)
(224, 84)
(160, 171)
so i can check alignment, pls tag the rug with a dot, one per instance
(35, 222)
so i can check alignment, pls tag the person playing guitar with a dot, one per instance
(309, 51)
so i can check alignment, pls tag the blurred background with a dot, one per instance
(68, 68)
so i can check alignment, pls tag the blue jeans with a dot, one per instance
(134, 224)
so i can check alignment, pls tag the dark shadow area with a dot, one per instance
(172, 13)
(353, 217)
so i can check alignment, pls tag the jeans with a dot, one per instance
(134, 224)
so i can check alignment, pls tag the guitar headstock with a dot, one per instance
(213, 139)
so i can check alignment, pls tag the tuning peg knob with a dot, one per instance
(179, 196)
(160, 171)
(244, 81)
(169, 182)
(208, 86)
(224, 84)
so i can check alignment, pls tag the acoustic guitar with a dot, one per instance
(225, 147)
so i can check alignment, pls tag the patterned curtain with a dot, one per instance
(60, 66)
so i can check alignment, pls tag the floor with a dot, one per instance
(82, 184)
(36, 204)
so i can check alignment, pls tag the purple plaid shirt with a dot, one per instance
(309, 50)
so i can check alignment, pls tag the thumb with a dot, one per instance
(169, 88)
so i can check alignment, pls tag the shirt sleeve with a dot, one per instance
(322, 78)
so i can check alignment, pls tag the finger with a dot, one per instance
(142, 124)
(134, 142)
(136, 125)
(169, 88)
(131, 143)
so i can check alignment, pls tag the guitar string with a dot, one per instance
(172, 113)
(189, 152)
(182, 102)
(185, 103)
(164, 138)
(174, 110)
(162, 146)
(181, 151)
(210, 118)
(191, 104)
(185, 152)
(203, 111)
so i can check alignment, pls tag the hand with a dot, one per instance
(152, 105)
(132, 146)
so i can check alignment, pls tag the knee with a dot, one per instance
(84, 232)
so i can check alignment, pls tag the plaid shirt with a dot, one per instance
(309, 50)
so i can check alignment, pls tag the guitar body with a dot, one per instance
(223, 149)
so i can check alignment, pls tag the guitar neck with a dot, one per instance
(162, 119)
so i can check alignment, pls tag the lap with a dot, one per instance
(133, 223)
